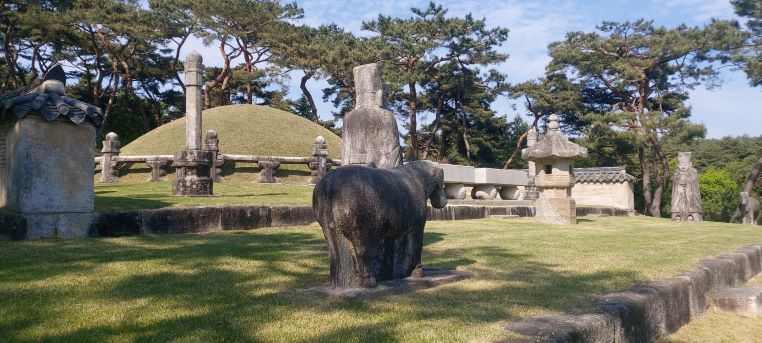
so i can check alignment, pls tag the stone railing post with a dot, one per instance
(109, 173)
(320, 167)
(269, 168)
(212, 145)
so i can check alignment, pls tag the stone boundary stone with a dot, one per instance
(647, 312)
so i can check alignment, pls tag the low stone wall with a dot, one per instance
(648, 312)
(198, 219)
(218, 218)
(457, 212)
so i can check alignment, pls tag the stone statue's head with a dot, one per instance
(684, 161)
(368, 87)
(438, 197)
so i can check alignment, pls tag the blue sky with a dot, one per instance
(733, 109)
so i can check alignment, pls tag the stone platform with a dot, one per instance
(431, 278)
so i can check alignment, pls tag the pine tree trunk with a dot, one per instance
(662, 179)
(413, 122)
(646, 179)
(437, 120)
(516, 150)
(308, 95)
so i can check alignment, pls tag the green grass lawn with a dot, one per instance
(133, 196)
(251, 286)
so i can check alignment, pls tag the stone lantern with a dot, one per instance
(554, 155)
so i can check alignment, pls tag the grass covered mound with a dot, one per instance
(242, 130)
(251, 286)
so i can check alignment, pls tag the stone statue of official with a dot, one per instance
(686, 198)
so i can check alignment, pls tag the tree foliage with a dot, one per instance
(750, 54)
(413, 48)
(636, 77)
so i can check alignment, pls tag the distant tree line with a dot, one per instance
(621, 89)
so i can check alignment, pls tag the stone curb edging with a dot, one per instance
(648, 312)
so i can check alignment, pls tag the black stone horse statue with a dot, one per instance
(373, 220)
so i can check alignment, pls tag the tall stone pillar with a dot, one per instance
(531, 193)
(370, 136)
(110, 150)
(192, 166)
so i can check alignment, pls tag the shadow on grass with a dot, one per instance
(202, 297)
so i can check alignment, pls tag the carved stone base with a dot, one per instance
(192, 173)
(555, 211)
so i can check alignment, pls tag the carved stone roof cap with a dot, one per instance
(49, 97)
(603, 174)
(553, 145)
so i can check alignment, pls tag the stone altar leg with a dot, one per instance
(484, 192)
(455, 191)
(510, 193)
(157, 173)
(268, 171)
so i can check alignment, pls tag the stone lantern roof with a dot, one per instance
(553, 145)
(48, 96)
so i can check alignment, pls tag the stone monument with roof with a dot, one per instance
(370, 136)
(47, 142)
(554, 157)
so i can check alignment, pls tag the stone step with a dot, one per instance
(743, 300)
(504, 216)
